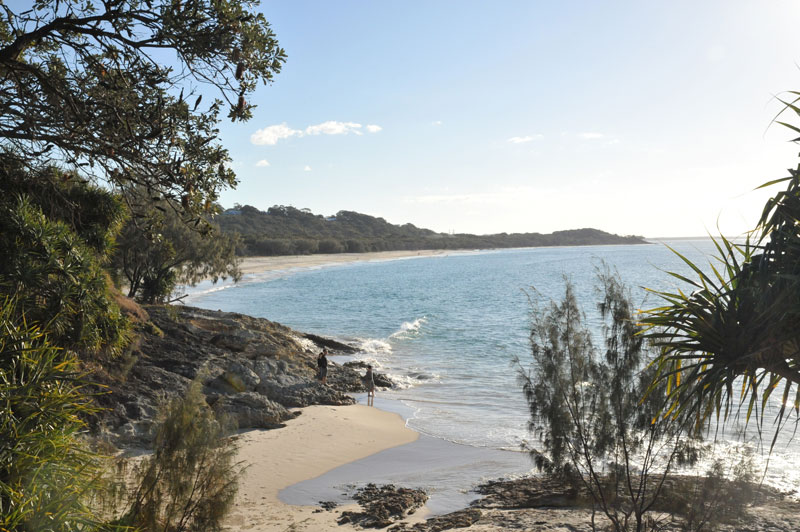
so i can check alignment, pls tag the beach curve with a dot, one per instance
(319, 440)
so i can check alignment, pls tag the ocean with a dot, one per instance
(448, 329)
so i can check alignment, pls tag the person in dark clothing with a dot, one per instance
(369, 382)
(322, 366)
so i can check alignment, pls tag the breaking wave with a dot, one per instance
(409, 329)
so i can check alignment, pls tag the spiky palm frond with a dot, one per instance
(729, 344)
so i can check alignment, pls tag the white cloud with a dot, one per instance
(591, 136)
(307, 168)
(437, 123)
(332, 127)
(262, 163)
(270, 135)
(527, 138)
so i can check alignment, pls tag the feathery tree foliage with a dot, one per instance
(190, 480)
(170, 253)
(586, 408)
(102, 86)
(735, 340)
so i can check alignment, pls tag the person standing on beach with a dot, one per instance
(369, 382)
(322, 366)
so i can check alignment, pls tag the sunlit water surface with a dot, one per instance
(448, 328)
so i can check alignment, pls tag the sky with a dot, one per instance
(635, 117)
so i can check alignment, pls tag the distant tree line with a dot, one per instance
(286, 230)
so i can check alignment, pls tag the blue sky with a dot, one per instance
(636, 117)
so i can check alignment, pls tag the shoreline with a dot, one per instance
(324, 440)
(321, 439)
(256, 265)
(271, 263)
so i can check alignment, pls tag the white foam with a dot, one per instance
(409, 328)
(412, 379)
(196, 292)
(375, 363)
(374, 346)
(306, 344)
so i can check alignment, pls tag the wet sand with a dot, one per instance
(319, 440)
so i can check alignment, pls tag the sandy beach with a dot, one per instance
(249, 265)
(319, 440)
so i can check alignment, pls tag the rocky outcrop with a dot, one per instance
(333, 345)
(531, 492)
(381, 381)
(460, 519)
(383, 505)
(252, 370)
(540, 503)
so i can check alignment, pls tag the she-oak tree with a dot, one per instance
(113, 89)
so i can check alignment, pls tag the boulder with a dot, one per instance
(337, 348)
(240, 377)
(251, 410)
(236, 340)
(294, 393)
(354, 379)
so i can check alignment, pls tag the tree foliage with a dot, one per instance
(285, 230)
(104, 87)
(587, 410)
(170, 252)
(189, 481)
(734, 341)
(53, 263)
(46, 474)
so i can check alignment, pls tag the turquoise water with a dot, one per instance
(448, 328)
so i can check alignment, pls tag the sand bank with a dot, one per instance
(319, 440)
(288, 262)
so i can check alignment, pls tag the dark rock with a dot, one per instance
(252, 369)
(240, 377)
(252, 410)
(219, 385)
(529, 492)
(333, 345)
(300, 394)
(328, 505)
(383, 505)
(234, 340)
(380, 379)
(459, 519)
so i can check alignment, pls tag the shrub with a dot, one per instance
(57, 281)
(160, 250)
(586, 406)
(47, 474)
(190, 480)
(330, 245)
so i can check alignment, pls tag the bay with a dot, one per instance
(447, 329)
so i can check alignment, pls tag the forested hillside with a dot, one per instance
(283, 230)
